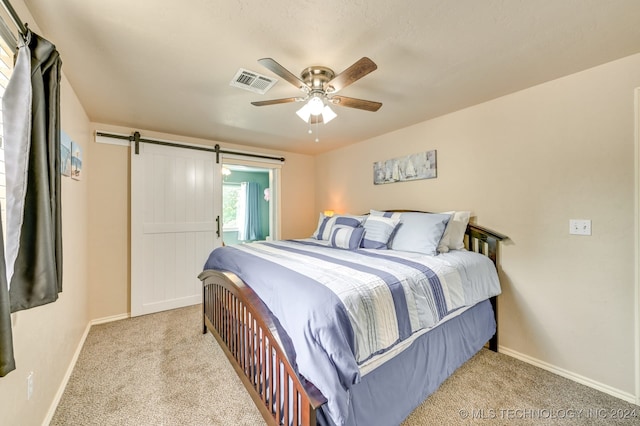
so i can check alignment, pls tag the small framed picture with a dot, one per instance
(65, 154)
(76, 161)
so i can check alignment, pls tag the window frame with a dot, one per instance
(8, 50)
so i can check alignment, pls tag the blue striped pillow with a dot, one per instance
(346, 237)
(378, 231)
(326, 224)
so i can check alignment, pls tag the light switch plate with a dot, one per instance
(580, 227)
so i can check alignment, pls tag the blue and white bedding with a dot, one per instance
(344, 310)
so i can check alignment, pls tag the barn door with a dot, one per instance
(175, 201)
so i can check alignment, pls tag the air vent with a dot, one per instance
(252, 81)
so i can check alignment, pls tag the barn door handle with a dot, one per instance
(218, 226)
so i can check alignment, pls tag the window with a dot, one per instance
(6, 66)
(230, 205)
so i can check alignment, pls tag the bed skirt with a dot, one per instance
(405, 381)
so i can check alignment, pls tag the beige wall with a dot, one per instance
(109, 230)
(46, 338)
(109, 213)
(525, 164)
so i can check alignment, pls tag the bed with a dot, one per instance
(358, 324)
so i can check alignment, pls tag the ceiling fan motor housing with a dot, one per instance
(316, 77)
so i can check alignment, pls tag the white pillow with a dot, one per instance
(417, 232)
(453, 238)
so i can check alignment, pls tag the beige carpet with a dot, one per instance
(161, 370)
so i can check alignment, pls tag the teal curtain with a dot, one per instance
(252, 224)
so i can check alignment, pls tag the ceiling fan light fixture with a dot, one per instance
(327, 114)
(316, 105)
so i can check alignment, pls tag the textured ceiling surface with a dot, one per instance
(166, 66)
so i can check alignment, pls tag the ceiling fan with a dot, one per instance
(320, 85)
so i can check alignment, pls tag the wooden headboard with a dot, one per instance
(484, 241)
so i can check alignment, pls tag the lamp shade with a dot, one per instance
(304, 113)
(328, 114)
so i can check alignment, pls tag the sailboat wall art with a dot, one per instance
(411, 167)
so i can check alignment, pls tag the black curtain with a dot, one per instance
(37, 271)
(31, 113)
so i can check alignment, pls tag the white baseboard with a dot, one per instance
(625, 396)
(65, 379)
(72, 364)
(110, 319)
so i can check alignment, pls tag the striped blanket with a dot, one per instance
(341, 307)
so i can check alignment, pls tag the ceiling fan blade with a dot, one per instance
(275, 101)
(278, 69)
(356, 103)
(355, 72)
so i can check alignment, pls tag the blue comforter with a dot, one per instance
(343, 309)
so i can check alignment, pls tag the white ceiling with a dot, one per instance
(166, 65)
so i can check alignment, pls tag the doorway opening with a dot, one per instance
(249, 207)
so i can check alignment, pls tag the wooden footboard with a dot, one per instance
(244, 328)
